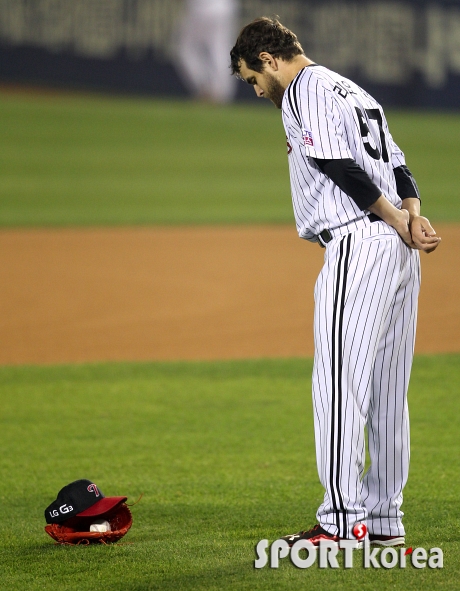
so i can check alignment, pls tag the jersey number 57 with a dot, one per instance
(365, 131)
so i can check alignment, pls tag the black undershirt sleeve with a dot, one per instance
(405, 183)
(351, 179)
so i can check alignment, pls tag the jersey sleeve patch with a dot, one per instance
(320, 122)
(307, 137)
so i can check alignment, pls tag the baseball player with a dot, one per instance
(206, 35)
(353, 194)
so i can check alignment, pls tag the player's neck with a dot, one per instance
(293, 67)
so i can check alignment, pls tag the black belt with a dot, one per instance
(326, 235)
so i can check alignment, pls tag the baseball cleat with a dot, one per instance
(386, 541)
(314, 535)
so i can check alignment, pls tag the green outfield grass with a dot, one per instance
(224, 455)
(78, 160)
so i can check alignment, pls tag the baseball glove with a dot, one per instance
(75, 531)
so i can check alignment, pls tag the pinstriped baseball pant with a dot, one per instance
(365, 316)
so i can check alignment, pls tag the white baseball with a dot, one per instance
(100, 525)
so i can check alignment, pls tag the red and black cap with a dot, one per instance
(81, 498)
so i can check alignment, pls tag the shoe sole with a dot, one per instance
(389, 543)
(359, 545)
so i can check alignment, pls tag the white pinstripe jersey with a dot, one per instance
(328, 116)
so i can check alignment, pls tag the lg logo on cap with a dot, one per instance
(93, 488)
(63, 509)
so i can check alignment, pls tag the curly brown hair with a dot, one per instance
(263, 34)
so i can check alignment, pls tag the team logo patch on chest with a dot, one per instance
(307, 137)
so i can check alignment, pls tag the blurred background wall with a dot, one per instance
(406, 53)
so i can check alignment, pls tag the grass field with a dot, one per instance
(94, 160)
(224, 455)
(223, 452)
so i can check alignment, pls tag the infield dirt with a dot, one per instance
(77, 295)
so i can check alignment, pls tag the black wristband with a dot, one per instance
(405, 183)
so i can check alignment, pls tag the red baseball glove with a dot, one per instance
(76, 530)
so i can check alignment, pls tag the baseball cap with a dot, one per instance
(81, 498)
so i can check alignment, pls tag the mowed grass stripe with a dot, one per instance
(82, 160)
(224, 454)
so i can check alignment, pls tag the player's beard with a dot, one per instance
(275, 91)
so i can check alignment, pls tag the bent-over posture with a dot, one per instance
(353, 194)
